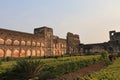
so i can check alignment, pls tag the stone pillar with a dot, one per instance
(12, 52)
(4, 53)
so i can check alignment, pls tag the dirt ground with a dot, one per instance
(84, 71)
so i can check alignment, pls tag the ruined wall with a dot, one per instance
(113, 45)
(114, 41)
(48, 39)
(41, 43)
(59, 46)
(72, 43)
(93, 48)
(20, 44)
(114, 36)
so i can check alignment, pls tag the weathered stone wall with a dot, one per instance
(113, 45)
(114, 36)
(48, 39)
(72, 43)
(59, 46)
(41, 43)
(93, 48)
(20, 44)
(114, 41)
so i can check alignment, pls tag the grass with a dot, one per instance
(52, 67)
(112, 72)
(49, 61)
(6, 65)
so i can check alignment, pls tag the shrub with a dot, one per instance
(104, 55)
(0, 61)
(118, 54)
(24, 70)
(55, 70)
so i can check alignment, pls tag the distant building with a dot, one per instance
(42, 43)
(113, 45)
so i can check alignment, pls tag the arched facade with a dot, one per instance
(21, 44)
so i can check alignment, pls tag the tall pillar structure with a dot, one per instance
(47, 34)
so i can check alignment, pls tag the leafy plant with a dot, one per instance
(104, 55)
(58, 67)
(24, 70)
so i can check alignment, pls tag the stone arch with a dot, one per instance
(1, 53)
(38, 43)
(22, 54)
(42, 44)
(53, 45)
(16, 42)
(53, 52)
(62, 52)
(28, 52)
(38, 53)
(1, 41)
(33, 43)
(8, 53)
(23, 43)
(42, 52)
(28, 43)
(33, 52)
(16, 53)
(8, 42)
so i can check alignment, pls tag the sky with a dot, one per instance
(91, 19)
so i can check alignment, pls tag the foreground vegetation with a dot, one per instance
(45, 68)
(112, 72)
(66, 65)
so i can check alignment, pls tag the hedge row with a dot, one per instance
(59, 68)
(52, 68)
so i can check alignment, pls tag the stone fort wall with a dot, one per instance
(41, 43)
(112, 46)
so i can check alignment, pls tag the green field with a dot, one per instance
(112, 72)
(54, 67)
(52, 61)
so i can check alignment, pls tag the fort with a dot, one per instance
(112, 46)
(44, 43)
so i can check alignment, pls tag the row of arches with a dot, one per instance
(22, 42)
(59, 51)
(59, 45)
(21, 53)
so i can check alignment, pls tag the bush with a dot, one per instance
(104, 55)
(118, 54)
(53, 71)
(24, 70)
(0, 61)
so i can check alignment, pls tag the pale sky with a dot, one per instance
(91, 19)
